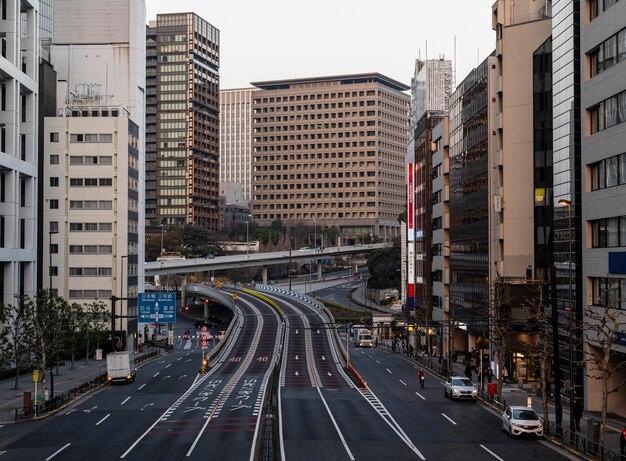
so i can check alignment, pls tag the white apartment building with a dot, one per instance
(19, 75)
(91, 201)
(236, 139)
(98, 51)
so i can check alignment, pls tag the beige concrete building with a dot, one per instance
(521, 28)
(331, 150)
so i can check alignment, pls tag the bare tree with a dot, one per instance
(599, 330)
(537, 310)
(96, 319)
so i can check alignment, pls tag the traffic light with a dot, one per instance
(205, 365)
(206, 300)
(186, 308)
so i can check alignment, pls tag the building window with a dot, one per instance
(608, 113)
(609, 292)
(54, 137)
(609, 172)
(54, 204)
(608, 232)
(54, 182)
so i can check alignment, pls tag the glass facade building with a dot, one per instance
(469, 199)
(566, 72)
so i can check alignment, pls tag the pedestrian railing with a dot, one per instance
(66, 397)
(580, 443)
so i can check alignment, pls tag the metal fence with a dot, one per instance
(66, 397)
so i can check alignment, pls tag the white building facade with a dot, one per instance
(19, 75)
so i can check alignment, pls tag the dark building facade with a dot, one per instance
(182, 121)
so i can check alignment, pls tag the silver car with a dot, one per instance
(521, 420)
(460, 387)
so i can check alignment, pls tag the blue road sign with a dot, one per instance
(157, 307)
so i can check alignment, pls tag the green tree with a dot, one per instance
(96, 320)
(72, 323)
(16, 329)
(384, 267)
(199, 241)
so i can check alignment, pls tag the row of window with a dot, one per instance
(91, 249)
(608, 172)
(608, 292)
(597, 7)
(90, 294)
(90, 182)
(91, 227)
(608, 113)
(608, 53)
(91, 205)
(608, 232)
(90, 272)
(313, 97)
(90, 137)
(91, 160)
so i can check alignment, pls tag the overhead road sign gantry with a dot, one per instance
(157, 307)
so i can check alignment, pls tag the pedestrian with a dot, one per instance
(435, 350)
(489, 374)
(622, 442)
(505, 374)
(578, 413)
(468, 371)
(411, 350)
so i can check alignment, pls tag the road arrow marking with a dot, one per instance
(188, 360)
(165, 377)
(182, 376)
(297, 358)
(239, 407)
(323, 358)
(296, 331)
(146, 406)
(329, 373)
(89, 410)
(297, 374)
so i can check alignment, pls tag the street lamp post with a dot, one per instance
(572, 423)
(247, 237)
(50, 234)
(122, 296)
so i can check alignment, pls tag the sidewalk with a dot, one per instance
(12, 399)
(513, 395)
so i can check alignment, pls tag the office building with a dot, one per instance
(603, 187)
(94, 155)
(331, 150)
(236, 139)
(19, 76)
(182, 140)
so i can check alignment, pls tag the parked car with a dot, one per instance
(304, 248)
(460, 387)
(209, 256)
(204, 323)
(521, 421)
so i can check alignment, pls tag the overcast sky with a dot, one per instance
(281, 39)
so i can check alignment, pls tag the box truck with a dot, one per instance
(121, 366)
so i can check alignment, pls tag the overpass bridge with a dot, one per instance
(262, 260)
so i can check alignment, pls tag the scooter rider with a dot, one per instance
(421, 374)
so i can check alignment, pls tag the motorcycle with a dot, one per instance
(422, 379)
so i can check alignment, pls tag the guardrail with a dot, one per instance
(64, 398)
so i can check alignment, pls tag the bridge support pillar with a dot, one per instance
(318, 267)
(264, 275)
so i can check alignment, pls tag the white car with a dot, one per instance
(460, 387)
(522, 420)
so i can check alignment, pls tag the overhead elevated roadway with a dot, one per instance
(190, 266)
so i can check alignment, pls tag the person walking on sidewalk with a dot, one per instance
(468, 371)
(578, 413)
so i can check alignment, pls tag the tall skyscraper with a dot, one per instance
(236, 138)
(19, 61)
(431, 87)
(183, 121)
(331, 150)
(94, 153)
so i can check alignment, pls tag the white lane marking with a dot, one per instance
(157, 374)
(168, 365)
(102, 420)
(141, 387)
(388, 370)
(442, 414)
(58, 451)
(491, 452)
(420, 396)
(377, 361)
(402, 382)
(345, 445)
(125, 400)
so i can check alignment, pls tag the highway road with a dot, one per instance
(324, 416)
(171, 412)
(439, 427)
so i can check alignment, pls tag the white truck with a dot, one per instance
(121, 366)
(362, 337)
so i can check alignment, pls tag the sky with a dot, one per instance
(264, 40)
